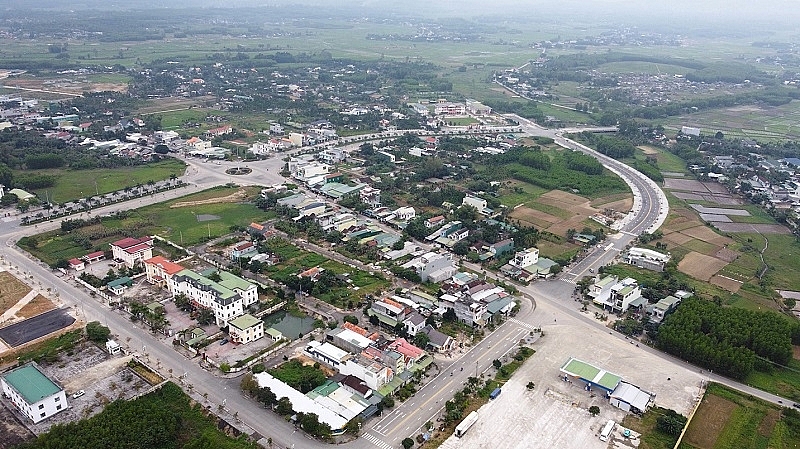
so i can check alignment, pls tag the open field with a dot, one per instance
(187, 225)
(11, 290)
(74, 184)
(700, 266)
(39, 304)
(754, 122)
(517, 192)
(727, 419)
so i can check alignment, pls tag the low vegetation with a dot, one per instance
(163, 419)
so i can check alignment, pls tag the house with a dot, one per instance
(370, 196)
(437, 340)
(666, 305)
(448, 108)
(243, 250)
(623, 295)
(159, 271)
(118, 286)
(245, 329)
(434, 221)
(600, 290)
(432, 267)
(94, 257)
(112, 347)
(259, 230)
(525, 258)
(501, 247)
(227, 297)
(647, 258)
(77, 264)
(474, 201)
(413, 323)
(348, 339)
(33, 393)
(388, 311)
(274, 334)
(405, 213)
(132, 251)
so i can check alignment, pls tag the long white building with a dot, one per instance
(227, 298)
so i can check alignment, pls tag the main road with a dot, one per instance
(648, 213)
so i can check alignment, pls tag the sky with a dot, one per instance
(765, 12)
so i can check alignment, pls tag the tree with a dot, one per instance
(205, 316)
(407, 443)
(350, 319)
(530, 386)
(284, 406)
(594, 410)
(497, 363)
(670, 422)
(421, 340)
(96, 332)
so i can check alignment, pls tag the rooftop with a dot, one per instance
(244, 322)
(577, 368)
(31, 383)
(164, 264)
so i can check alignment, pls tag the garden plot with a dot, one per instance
(755, 228)
(729, 284)
(700, 266)
(688, 185)
(11, 290)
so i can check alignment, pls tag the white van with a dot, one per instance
(607, 430)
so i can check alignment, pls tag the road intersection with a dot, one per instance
(650, 210)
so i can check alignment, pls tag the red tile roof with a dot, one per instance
(164, 264)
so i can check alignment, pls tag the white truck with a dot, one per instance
(462, 428)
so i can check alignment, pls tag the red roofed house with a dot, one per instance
(243, 249)
(76, 264)
(221, 131)
(160, 271)
(94, 257)
(411, 352)
(132, 251)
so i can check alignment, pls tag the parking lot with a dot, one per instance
(555, 413)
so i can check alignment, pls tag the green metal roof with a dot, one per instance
(577, 368)
(125, 280)
(222, 291)
(231, 281)
(609, 381)
(31, 383)
(274, 333)
(245, 321)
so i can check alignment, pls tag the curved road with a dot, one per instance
(649, 212)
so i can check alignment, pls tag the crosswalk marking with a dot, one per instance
(569, 281)
(521, 323)
(376, 441)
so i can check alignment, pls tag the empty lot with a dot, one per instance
(554, 414)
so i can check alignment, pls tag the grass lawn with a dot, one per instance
(177, 224)
(518, 192)
(74, 184)
(175, 119)
(462, 121)
(783, 382)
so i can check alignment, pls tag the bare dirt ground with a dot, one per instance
(12, 431)
(707, 235)
(689, 185)
(731, 285)
(700, 266)
(11, 290)
(239, 195)
(727, 255)
(70, 86)
(533, 216)
(37, 305)
(712, 415)
(174, 103)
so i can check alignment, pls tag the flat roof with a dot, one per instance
(31, 383)
(244, 322)
(590, 373)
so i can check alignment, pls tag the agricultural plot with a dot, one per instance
(700, 266)
(727, 418)
(753, 122)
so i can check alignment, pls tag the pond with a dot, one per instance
(289, 325)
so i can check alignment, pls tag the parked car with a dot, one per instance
(78, 394)
(223, 341)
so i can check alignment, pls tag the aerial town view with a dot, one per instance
(380, 225)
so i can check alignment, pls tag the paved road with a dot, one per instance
(38, 326)
(405, 420)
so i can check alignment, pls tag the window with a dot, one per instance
(58, 399)
(41, 406)
(42, 415)
(58, 407)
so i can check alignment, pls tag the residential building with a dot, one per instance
(432, 267)
(405, 213)
(370, 196)
(389, 311)
(159, 271)
(477, 108)
(243, 250)
(474, 201)
(227, 297)
(348, 339)
(245, 329)
(624, 294)
(631, 398)
(132, 251)
(118, 286)
(525, 258)
(94, 257)
(647, 258)
(77, 264)
(413, 323)
(600, 290)
(434, 221)
(437, 340)
(33, 393)
(664, 306)
(332, 155)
